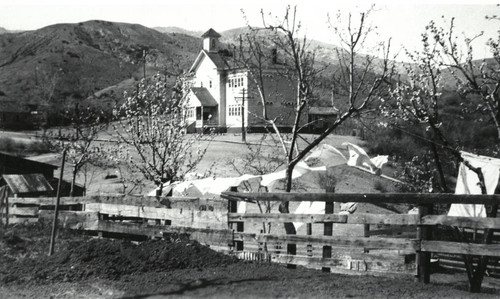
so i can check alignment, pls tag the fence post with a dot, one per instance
(233, 208)
(423, 259)
(366, 234)
(56, 208)
(328, 231)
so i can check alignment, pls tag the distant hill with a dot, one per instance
(3, 30)
(173, 29)
(72, 61)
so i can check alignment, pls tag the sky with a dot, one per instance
(401, 20)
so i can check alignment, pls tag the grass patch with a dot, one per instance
(11, 146)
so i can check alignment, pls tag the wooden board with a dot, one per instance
(470, 222)
(369, 243)
(390, 219)
(72, 219)
(189, 217)
(282, 218)
(139, 200)
(362, 264)
(461, 248)
(24, 211)
(204, 236)
(413, 198)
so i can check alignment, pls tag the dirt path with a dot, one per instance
(249, 281)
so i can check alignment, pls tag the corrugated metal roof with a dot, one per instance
(27, 183)
(206, 99)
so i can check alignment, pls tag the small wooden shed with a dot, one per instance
(21, 185)
(26, 185)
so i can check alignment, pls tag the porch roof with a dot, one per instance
(203, 95)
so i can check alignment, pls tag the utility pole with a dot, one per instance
(56, 208)
(144, 64)
(243, 130)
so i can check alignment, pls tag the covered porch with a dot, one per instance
(202, 110)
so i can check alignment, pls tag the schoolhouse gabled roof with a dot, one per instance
(221, 61)
(211, 33)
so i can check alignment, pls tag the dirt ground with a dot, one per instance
(89, 267)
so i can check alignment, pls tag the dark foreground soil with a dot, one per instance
(87, 267)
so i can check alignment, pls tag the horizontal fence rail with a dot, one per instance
(410, 198)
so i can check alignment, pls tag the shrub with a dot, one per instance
(379, 186)
(386, 141)
(328, 181)
(7, 144)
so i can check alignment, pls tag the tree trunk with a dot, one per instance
(439, 168)
(159, 191)
(284, 206)
(73, 179)
(477, 279)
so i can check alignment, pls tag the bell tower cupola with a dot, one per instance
(211, 40)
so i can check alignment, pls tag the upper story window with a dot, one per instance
(236, 81)
(210, 83)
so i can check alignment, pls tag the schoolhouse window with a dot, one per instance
(210, 83)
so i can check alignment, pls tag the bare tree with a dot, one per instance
(79, 140)
(362, 77)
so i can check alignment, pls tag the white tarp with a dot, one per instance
(468, 183)
(299, 170)
(215, 186)
(359, 158)
(327, 154)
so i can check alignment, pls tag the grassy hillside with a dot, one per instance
(67, 62)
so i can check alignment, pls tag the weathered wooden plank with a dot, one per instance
(281, 218)
(72, 219)
(362, 264)
(24, 211)
(371, 243)
(461, 248)
(136, 200)
(216, 219)
(470, 222)
(45, 201)
(389, 219)
(16, 220)
(204, 236)
(413, 198)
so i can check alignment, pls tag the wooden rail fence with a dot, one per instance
(361, 242)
